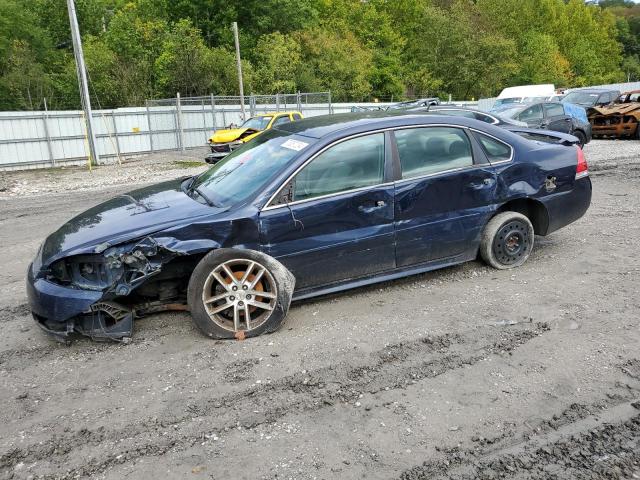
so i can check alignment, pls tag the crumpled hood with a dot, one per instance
(229, 135)
(617, 108)
(123, 218)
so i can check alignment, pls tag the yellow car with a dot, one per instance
(223, 142)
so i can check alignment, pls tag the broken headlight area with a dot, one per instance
(118, 270)
(133, 279)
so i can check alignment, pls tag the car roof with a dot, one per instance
(326, 125)
(278, 114)
(593, 90)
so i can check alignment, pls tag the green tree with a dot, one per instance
(24, 82)
(335, 62)
(278, 61)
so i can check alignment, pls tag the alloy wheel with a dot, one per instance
(239, 295)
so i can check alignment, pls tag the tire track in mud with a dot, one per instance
(606, 447)
(394, 367)
(596, 441)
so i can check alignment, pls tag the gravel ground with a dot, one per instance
(463, 373)
(133, 171)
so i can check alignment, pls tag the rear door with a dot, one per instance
(556, 119)
(443, 198)
(334, 220)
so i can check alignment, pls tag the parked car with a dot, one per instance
(223, 142)
(524, 94)
(618, 120)
(560, 117)
(591, 97)
(306, 209)
(469, 113)
(422, 102)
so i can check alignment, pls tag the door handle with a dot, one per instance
(376, 206)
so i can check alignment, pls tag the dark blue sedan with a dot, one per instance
(310, 208)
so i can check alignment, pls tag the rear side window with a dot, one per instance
(351, 164)
(297, 116)
(429, 150)
(485, 118)
(553, 110)
(495, 150)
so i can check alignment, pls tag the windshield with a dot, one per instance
(249, 168)
(257, 123)
(581, 98)
(506, 101)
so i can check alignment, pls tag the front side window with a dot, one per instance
(428, 150)
(354, 163)
(531, 114)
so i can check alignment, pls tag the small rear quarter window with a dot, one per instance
(495, 150)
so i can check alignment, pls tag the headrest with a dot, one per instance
(437, 146)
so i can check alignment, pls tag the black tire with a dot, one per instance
(231, 322)
(637, 134)
(581, 137)
(507, 240)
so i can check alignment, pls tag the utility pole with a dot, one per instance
(235, 37)
(82, 81)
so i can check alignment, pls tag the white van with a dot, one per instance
(525, 94)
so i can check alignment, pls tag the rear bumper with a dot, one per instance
(566, 207)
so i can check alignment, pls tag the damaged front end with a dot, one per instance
(617, 120)
(100, 294)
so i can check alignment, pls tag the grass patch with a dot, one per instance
(188, 163)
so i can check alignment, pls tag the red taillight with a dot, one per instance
(582, 169)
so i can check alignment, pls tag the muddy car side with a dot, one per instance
(316, 216)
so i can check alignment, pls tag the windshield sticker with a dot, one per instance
(294, 145)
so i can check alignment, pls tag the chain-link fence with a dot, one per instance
(185, 122)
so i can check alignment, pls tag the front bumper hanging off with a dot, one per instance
(64, 312)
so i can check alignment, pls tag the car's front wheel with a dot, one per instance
(239, 293)
(507, 240)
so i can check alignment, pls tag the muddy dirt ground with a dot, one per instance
(463, 373)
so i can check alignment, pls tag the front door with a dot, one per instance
(337, 221)
(556, 119)
(444, 196)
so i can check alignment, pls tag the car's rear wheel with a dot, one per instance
(507, 240)
(581, 137)
(239, 293)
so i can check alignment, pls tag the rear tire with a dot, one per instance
(581, 137)
(239, 293)
(507, 240)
